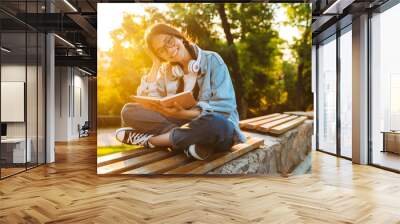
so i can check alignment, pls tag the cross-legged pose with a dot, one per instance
(180, 65)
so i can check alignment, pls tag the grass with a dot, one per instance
(106, 150)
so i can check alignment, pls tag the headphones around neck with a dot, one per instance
(193, 66)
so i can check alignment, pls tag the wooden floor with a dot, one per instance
(10, 171)
(386, 159)
(69, 191)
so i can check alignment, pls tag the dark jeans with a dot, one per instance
(210, 130)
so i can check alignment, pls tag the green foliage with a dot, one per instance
(300, 82)
(269, 83)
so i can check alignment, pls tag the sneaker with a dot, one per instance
(129, 136)
(198, 152)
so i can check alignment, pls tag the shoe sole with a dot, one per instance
(193, 153)
(122, 130)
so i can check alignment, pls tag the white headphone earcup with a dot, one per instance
(177, 71)
(194, 66)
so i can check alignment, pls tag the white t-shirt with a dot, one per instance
(165, 85)
(189, 81)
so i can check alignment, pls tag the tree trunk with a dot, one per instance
(236, 76)
(300, 87)
(301, 102)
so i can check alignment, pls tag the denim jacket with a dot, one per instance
(216, 92)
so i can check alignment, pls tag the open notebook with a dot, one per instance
(185, 99)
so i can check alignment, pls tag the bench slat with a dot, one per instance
(266, 127)
(308, 114)
(287, 126)
(256, 124)
(244, 122)
(122, 166)
(161, 166)
(120, 156)
(185, 169)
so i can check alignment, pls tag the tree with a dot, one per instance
(300, 16)
(243, 34)
(236, 74)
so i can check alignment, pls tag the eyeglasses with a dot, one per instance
(169, 42)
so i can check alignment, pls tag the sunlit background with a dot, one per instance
(116, 12)
(273, 43)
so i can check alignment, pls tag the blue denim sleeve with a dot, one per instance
(222, 98)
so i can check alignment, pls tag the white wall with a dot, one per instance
(61, 103)
(80, 102)
(12, 73)
(71, 93)
(33, 127)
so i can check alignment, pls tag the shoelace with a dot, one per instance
(138, 138)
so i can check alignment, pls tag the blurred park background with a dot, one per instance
(266, 46)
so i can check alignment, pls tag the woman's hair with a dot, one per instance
(162, 28)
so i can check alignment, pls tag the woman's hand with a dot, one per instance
(176, 111)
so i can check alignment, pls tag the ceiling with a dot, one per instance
(74, 22)
(329, 15)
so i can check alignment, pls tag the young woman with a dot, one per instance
(180, 65)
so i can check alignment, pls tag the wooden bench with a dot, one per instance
(274, 124)
(162, 161)
(308, 114)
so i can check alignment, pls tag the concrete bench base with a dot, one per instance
(282, 155)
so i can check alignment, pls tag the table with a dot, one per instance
(13, 150)
(391, 141)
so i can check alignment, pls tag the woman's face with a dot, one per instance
(168, 47)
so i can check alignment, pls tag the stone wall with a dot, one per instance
(280, 155)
